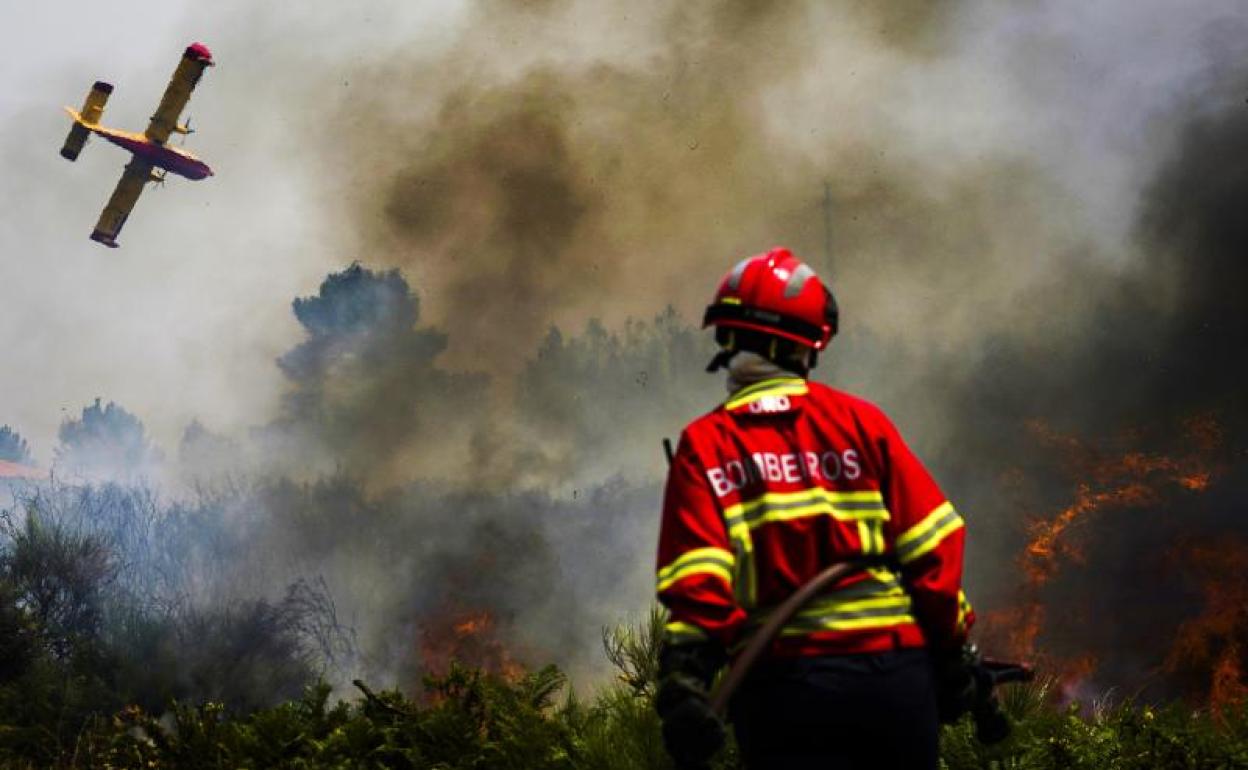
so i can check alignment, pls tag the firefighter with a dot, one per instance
(783, 479)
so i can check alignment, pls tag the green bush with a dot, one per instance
(74, 693)
(471, 719)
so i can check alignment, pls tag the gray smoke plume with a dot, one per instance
(1127, 412)
(1032, 224)
(985, 285)
(105, 442)
(502, 532)
(366, 392)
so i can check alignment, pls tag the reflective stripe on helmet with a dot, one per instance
(734, 278)
(797, 280)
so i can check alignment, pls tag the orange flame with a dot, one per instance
(1227, 689)
(472, 625)
(1130, 480)
(469, 638)
(1212, 641)
(1074, 675)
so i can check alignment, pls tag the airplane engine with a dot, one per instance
(92, 111)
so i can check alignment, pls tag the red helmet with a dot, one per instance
(778, 294)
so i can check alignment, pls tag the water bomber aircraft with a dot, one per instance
(149, 149)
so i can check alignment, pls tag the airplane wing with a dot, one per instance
(129, 187)
(190, 69)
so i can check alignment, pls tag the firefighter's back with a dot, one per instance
(799, 480)
(784, 479)
(797, 469)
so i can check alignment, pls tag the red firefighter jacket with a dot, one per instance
(784, 479)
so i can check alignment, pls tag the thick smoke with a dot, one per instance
(381, 505)
(524, 190)
(524, 183)
(105, 442)
(366, 393)
(988, 308)
(1037, 276)
(1150, 398)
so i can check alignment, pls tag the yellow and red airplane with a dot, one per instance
(148, 148)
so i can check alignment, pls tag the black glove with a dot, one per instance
(956, 689)
(991, 724)
(692, 731)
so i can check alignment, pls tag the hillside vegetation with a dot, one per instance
(50, 716)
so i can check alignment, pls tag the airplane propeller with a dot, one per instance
(185, 130)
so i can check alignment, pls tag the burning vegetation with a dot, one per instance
(459, 484)
(465, 637)
(1110, 490)
(1209, 648)
(232, 592)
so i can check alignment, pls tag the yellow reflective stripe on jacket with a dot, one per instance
(878, 601)
(865, 507)
(699, 561)
(852, 616)
(676, 632)
(784, 506)
(927, 534)
(964, 610)
(762, 385)
(744, 576)
(780, 386)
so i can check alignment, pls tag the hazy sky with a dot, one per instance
(186, 318)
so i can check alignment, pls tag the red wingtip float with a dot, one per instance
(200, 52)
(149, 149)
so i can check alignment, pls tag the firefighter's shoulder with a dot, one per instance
(705, 433)
(709, 424)
(848, 405)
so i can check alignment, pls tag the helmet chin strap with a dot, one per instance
(781, 354)
(722, 358)
(799, 364)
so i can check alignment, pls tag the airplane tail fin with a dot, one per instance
(92, 111)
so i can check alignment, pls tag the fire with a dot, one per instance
(1105, 483)
(1131, 480)
(1048, 546)
(1227, 687)
(1212, 641)
(473, 625)
(1197, 482)
(1072, 681)
(467, 637)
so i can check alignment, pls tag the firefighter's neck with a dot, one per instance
(748, 367)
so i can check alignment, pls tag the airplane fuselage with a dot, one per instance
(172, 159)
(150, 149)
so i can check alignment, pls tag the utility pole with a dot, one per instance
(827, 228)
